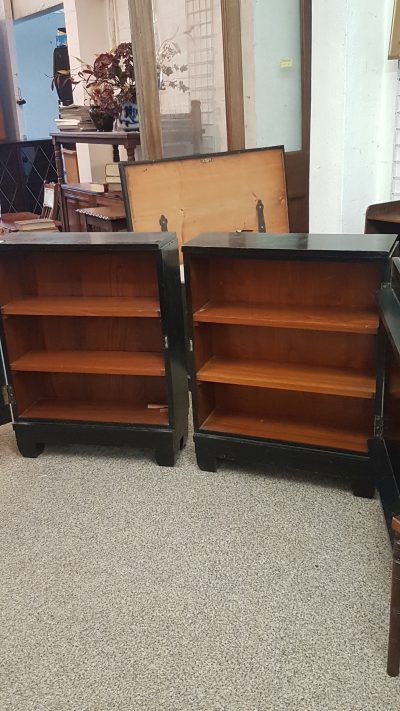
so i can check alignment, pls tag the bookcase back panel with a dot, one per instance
(78, 274)
(25, 334)
(340, 284)
(209, 193)
(325, 421)
(136, 392)
(335, 350)
(295, 406)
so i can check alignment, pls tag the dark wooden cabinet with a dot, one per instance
(286, 350)
(92, 341)
(387, 447)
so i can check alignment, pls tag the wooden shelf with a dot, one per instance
(289, 376)
(300, 317)
(95, 362)
(286, 430)
(96, 412)
(114, 306)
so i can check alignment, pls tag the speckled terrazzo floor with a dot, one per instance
(130, 587)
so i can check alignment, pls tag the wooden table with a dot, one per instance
(128, 139)
(383, 218)
(104, 219)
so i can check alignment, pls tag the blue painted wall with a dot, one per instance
(277, 89)
(35, 39)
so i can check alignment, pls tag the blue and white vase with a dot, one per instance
(129, 116)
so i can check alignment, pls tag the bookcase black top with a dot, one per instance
(75, 241)
(293, 246)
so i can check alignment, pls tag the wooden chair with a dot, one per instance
(71, 167)
(51, 201)
(393, 662)
(182, 133)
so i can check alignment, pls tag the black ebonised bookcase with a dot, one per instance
(387, 447)
(287, 357)
(92, 341)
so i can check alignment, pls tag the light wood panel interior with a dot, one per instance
(83, 336)
(126, 335)
(286, 349)
(78, 274)
(113, 362)
(44, 394)
(349, 287)
(351, 352)
(284, 376)
(139, 306)
(210, 194)
(306, 418)
(318, 318)
(96, 412)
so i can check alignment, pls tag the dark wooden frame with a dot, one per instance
(166, 440)
(200, 156)
(298, 162)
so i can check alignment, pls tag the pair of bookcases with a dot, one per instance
(287, 359)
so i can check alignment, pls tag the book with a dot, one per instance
(112, 170)
(35, 221)
(75, 111)
(39, 225)
(113, 179)
(114, 187)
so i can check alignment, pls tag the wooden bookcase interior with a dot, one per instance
(83, 336)
(286, 350)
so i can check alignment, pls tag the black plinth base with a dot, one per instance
(33, 436)
(258, 452)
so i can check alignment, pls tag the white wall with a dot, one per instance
(353, 111)
(277, 89)
(123, 27)
(87, 28)
(23, 8)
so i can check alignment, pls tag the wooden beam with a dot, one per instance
(232, 41)
(144, 60)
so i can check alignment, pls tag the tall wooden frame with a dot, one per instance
(297, 162)
(394, 44)
(233, 72)
(144, 59)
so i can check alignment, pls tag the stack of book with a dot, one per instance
(113, 180)
(75, 118)
(41, 224)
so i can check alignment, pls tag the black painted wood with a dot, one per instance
(252, 245)
(84, 241)
(386, 451)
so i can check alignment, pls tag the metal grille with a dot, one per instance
(24, 168)
(9, 180)
(199, 14)
(38, 166)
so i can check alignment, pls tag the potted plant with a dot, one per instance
(110, 85)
